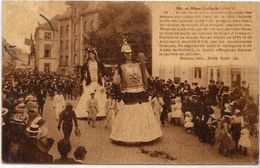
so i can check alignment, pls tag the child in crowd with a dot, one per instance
(212, 125)
(176, 111)
(157, 105)
(92, 110)
(188, 124)
(244, 141)
(227, 110)
(237, 122)
(227, 144)
(111, 109)
(219, 132)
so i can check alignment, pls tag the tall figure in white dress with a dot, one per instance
(136, 121)
(92, 72)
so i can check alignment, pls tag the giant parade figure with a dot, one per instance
(136, 121)
(92, 81)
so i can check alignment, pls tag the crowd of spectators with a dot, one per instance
(195, 108)
(25, 134)
(25, 137)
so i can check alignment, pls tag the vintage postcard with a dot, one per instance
(105, 82)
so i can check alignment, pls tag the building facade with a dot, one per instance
(46, 46)
(229, 74)
(74, 27)
(13, 57)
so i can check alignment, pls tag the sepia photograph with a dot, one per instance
(120, 82)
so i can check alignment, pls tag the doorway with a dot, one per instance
(235, 77)
(214, 73)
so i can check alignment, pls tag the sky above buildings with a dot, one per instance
(19, 19)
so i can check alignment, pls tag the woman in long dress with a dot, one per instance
(92, 73)
(136, 121)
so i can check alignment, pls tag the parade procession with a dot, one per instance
(88, 95)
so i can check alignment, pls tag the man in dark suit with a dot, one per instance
(41, 97)
(167, 104)
(213, 91)
(251, 111)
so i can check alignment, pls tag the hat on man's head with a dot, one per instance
(30, 98)
(226, 116)
(20, 106)
(188, 113)
(4, 111)
(18, 119)
(21, 99)
(33, 131)
(213, 116)
(36, 120)
(227, 106)
(237, 111)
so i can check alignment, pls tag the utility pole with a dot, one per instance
(30, 42)
(33, 54)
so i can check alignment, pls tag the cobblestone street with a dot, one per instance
(185, 147)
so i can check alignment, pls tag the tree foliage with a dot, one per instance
(118, 20)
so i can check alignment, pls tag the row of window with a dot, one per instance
(47, 54)
(66, 61)
(67, 44)
(197, 73)
(47, 36)
(87, 27)
(66, 30)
